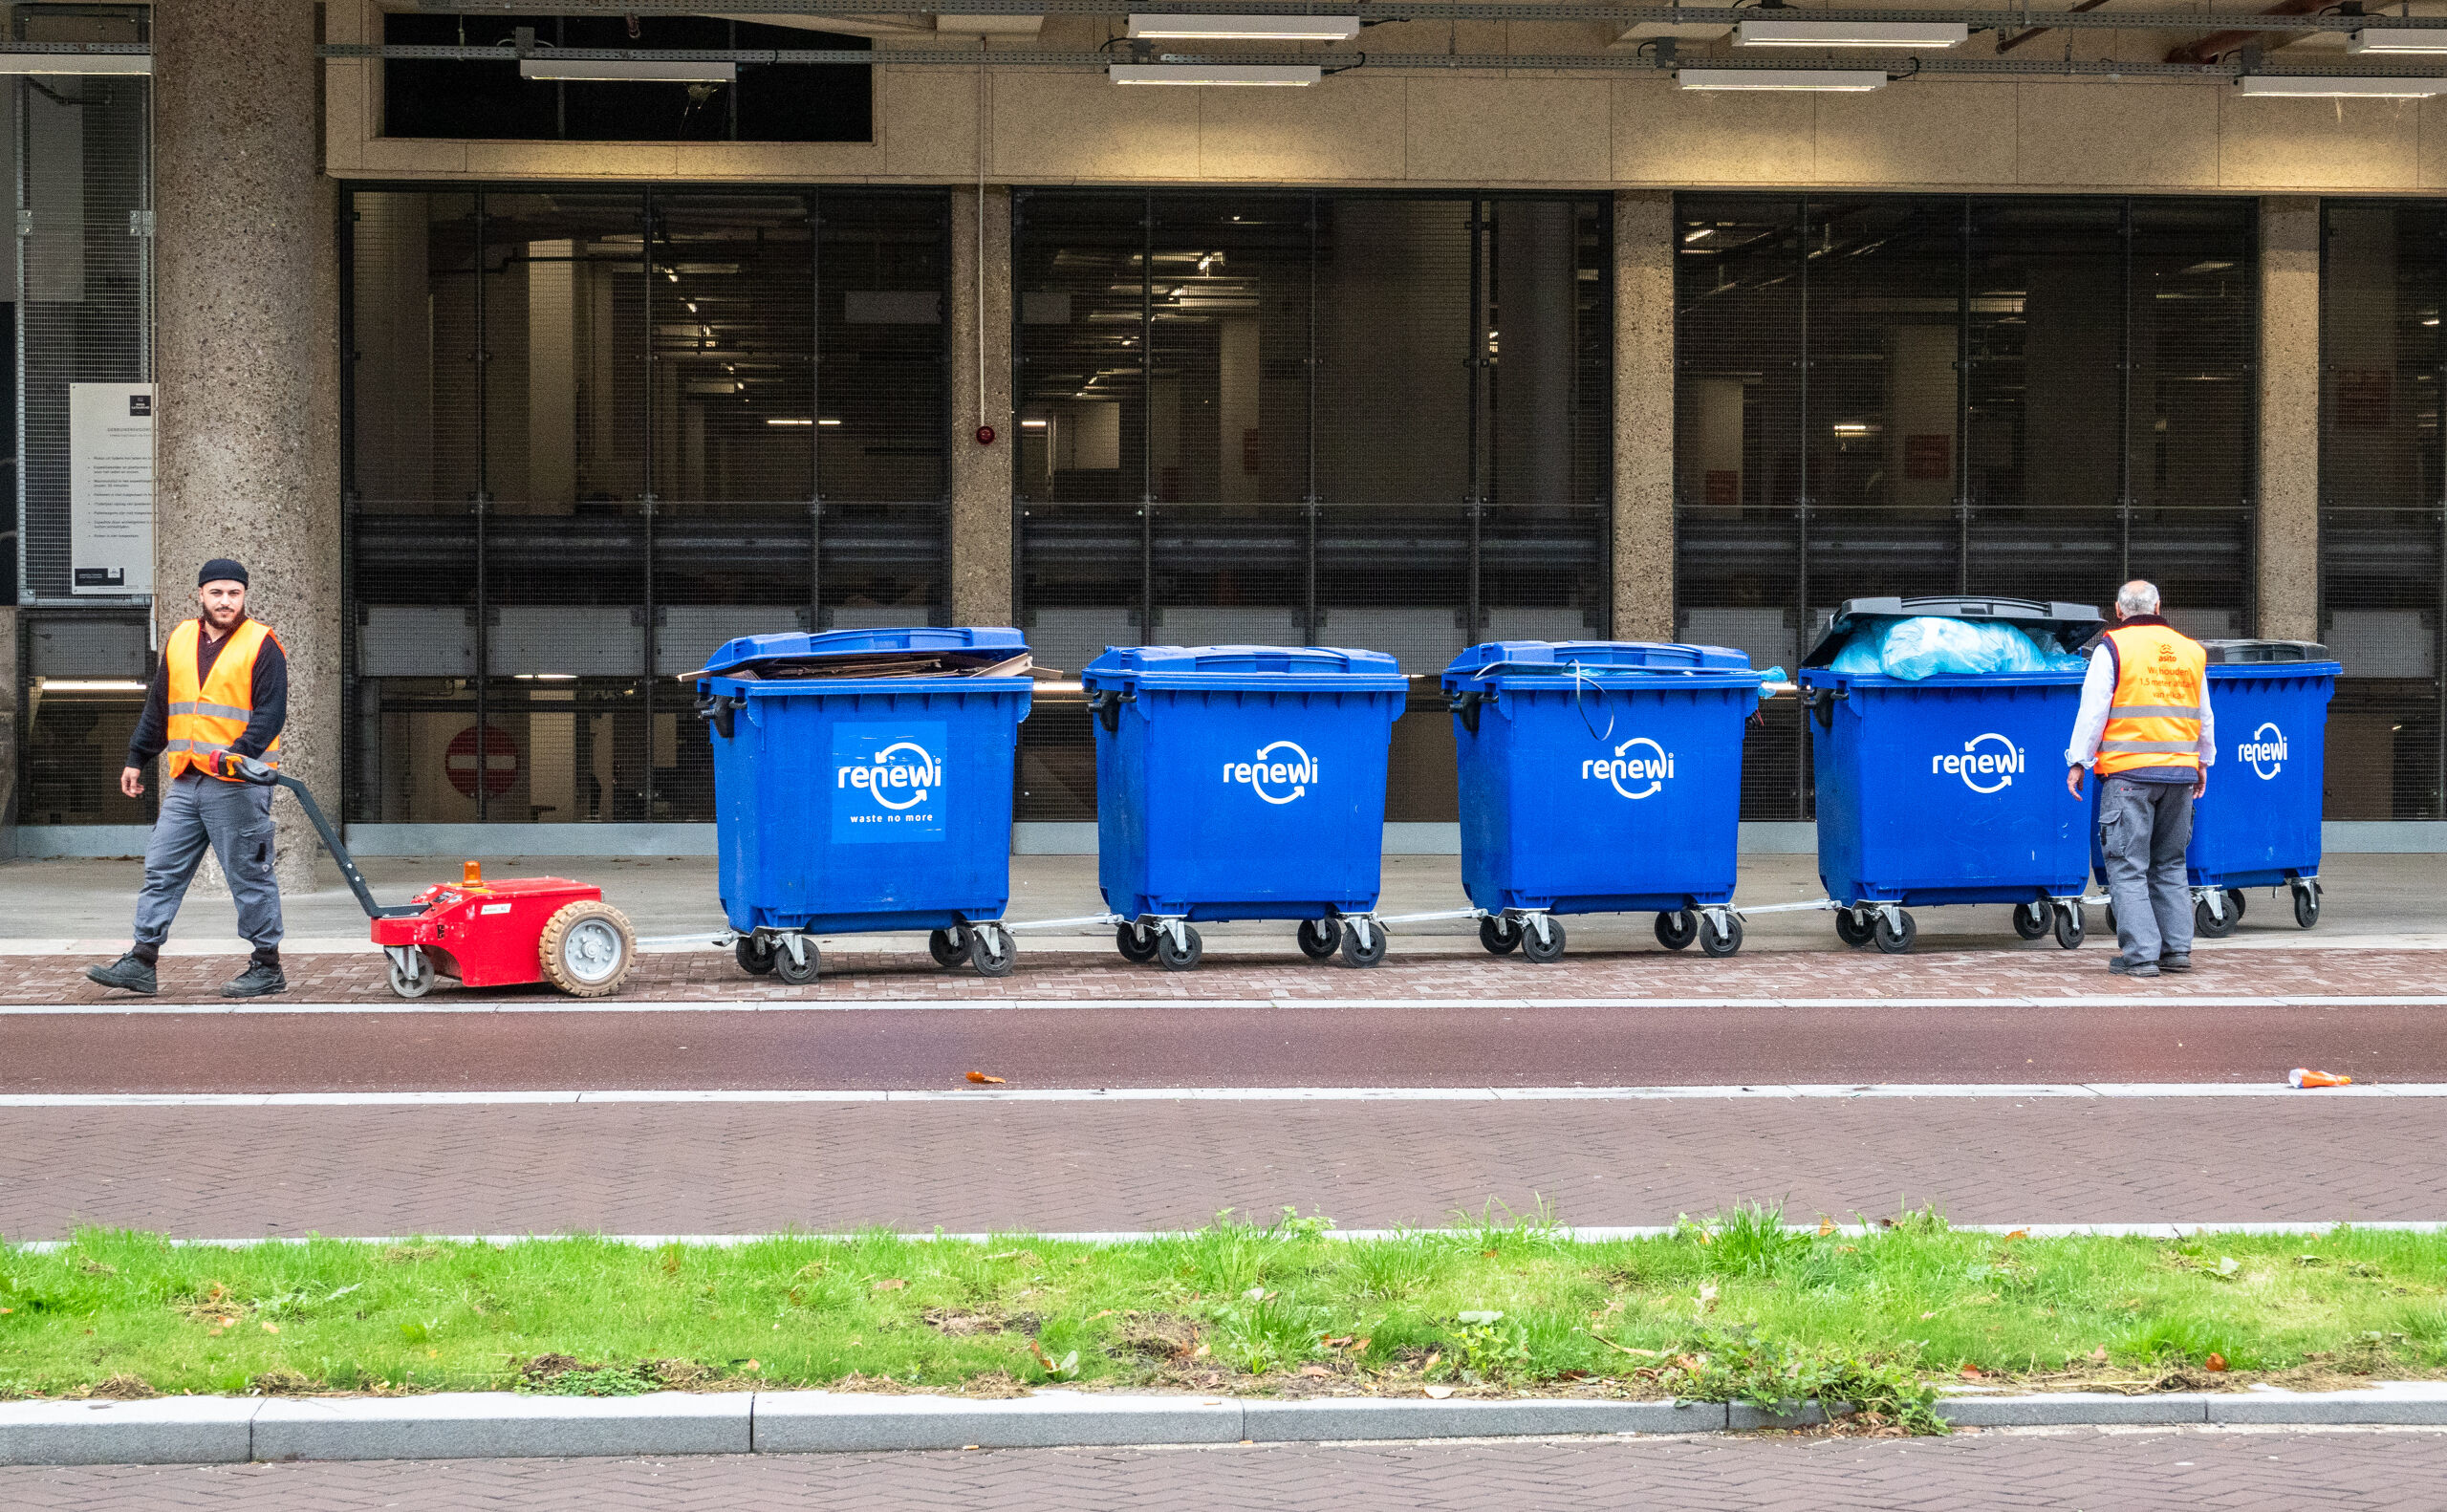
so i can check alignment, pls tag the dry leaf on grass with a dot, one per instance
(981, 1078)
(890, 1283)
(2215, 1362)
(1825, 1225)
(1439, 1392)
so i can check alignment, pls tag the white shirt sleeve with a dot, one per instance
(2099, 692)
(2208, 728)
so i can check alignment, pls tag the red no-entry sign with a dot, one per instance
(500, 762)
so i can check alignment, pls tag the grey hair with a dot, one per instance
(2137, 597)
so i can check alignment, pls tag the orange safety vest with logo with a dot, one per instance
(209, 717)
(2155, 718)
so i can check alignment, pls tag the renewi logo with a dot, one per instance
(897, 777)
(1282, 773)
(1987, 764)
(1624, 766)
(2265, 752)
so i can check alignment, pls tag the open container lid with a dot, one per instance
(2262, 653)
(1252, 668)
(905, 651)
(2070, 625)
(1538, 663)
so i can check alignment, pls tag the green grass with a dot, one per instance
(1737, 1307)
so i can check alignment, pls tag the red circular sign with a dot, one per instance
(986, 435)
(500, 762)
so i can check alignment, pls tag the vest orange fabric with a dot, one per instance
(2155, 718)
(210, 717)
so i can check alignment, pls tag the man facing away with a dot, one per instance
(2146, 728)
(221, 686)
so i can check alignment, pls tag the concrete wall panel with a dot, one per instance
(2314, 144)
(573, 160)
(1353, 130)
(1058, 126)
(2079, 135)
(1516, 129)
(926, 122)
(1666, 135)
(1922, 133)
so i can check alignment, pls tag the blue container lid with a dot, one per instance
(995, 642)
(1247, 668)
(1499, 663)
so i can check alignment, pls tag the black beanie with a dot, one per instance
(221, 569)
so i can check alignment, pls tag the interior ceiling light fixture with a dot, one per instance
(1838, 80)
(1246, 28)
(1777, 32)
(2402, 39)
(1238, 74)
(2312, 86)
(602, 69)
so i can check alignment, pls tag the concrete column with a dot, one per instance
(246, 445)
(9, 733)
(982, 588)
(2290, 418)
(1643, 416)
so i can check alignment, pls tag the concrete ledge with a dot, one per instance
(2415, 1403)
(804, 1422)
(2075, 1409)
(166, 1431)
(1741, 1418)
(502, 1425)
(1341, 1417)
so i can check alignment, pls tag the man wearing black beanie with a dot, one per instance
(222, 685)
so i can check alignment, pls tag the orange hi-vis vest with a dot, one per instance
(210, 717)
(2155, 718)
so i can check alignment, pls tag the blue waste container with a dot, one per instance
(2258, 825)
(1949, 789)
(1242, 782)
(1600, 777)
(862, 781)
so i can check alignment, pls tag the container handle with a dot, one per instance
(1820, 701)
(1466, 706)
(719, 711)
(1106, 705)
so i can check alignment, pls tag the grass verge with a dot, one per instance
(1738, 1307)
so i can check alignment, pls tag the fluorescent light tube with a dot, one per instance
(1251, 28)
(1777, 32)
(601, 70)
(1234, 73)
(1841, 81)
(2403, 39)
(2308, 86)
(88, 64)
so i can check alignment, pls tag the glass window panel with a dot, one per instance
(2043, 428)
(884, 268)
(2195, 322)
(1079, 282)
(1394, 356)
(1884, 333)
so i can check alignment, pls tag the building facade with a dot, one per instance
(530, 391)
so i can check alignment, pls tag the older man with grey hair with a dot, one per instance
(2145, 728)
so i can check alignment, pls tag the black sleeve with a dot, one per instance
(271, 701)
(153, 729)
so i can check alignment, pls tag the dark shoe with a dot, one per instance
(129, 973)
(257, 980)
(2175, 963)
(2119, 966)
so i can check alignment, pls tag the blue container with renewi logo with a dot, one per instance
(1951, 788)
(1600, 776)
(1242, 781)
(862, 781)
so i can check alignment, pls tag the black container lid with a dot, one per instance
(2234, 653)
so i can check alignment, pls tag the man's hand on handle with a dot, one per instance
(131, 781)
(2073, 781)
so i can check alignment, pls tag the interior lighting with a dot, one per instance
(787, 420)
(2404, 39)
(613, 70)
(1032, 424)
(88, 64)
(91, 686)
(1249, 28)
(1840, 81)
(2311, 86)
(1236, 75)
(1770, 31)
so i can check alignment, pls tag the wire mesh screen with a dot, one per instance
(2383, 530)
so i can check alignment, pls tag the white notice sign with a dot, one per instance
(110, 488)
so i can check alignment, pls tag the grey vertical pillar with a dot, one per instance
(1643, 416)
(246, 442)
(2290, 418)
(9, 734)
(981, 474)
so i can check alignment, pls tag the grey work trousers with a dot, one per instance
(2143, 829)
(234, 818)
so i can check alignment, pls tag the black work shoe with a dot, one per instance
(257, 980)
(2175, 963)
(2119, 966)
(130, 973)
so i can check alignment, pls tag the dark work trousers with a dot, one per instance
(234, 819)
(2143, 829)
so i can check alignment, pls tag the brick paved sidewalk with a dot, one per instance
(2192, 1470)
(752, 1168)
(711, 976)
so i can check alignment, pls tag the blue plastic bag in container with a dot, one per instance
(1928, 645)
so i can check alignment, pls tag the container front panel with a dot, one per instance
(1930, 788)
(1246, 805)
(851, 806)
(2261, 812)
(1629, 793)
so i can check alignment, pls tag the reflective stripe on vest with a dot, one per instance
(210, 716)
(2155, 718)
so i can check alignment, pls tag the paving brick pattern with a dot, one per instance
(710, 976)
(2198, 1471)
(748, 1167)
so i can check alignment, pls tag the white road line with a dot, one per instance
(1895, 1090)
(129, 1006)
(1578, 1234)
